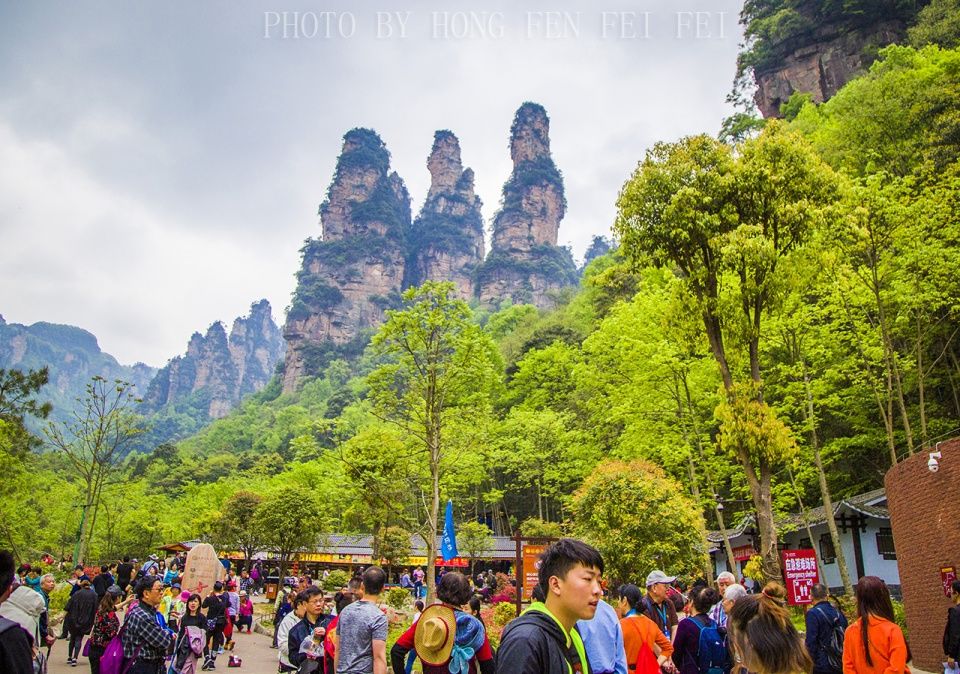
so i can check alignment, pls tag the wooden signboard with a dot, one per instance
(531, 569)
(202, 570)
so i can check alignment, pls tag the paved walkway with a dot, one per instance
(254, 649)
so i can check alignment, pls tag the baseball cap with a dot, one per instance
(658, 576)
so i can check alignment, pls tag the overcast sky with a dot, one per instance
(161, 162)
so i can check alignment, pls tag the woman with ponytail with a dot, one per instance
(764, 639)
(874, 644)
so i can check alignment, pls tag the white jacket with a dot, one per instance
(24, 606)
(283, 631)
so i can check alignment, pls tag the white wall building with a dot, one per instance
(863, 523)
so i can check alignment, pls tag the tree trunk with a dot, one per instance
(921, 378)
(885, 414)
(691, 469)
(97, 492)
(696, 496)
(731, 561)
(825, 492)
(84, 522)
(434, 516)
(762, 499)
(890, 357)
(952, 379)
(806, 523)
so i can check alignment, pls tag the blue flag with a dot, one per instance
(448, 544)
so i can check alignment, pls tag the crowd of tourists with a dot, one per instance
(660, 627)
(162, 628)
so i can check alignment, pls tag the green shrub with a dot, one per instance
(335, 580)
(397, 597)
(59, 597)
(900, 617)
(504, 612)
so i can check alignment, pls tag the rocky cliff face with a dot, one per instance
(446, 240)
(821, 62)
(525, 263)
(217, 371)
(355, 272)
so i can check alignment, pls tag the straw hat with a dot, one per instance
(435, 633)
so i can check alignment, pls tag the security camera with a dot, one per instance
(933, 463)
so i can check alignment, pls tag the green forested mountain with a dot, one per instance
(788, 301)
(72, 355)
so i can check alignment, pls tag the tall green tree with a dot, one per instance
(474, 540)
(724, 219)
(439, 364)
(233, 526)
(18, 401)
(290, 520)
(94, 442)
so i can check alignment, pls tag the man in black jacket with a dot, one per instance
(545, 640)
(16, 654)
(102, 581)
(314, 623)
(823, 620)
(124, 574)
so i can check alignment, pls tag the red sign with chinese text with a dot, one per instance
(948, 574)
(744, 553)
(800, 573)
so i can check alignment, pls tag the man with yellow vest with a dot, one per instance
(544, 639)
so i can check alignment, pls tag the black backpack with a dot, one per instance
(832, 644)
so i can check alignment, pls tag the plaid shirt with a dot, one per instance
(246, 584)
(141, 630)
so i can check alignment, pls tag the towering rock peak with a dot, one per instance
(359, 197)
(533, 197)
(195, 345)
(218, 370)
(525, 263)
(530, 134)
(256, 347)
(354, 272)
(446, 240)
(444, 164)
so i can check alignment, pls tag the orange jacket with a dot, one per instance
(639, 629)
(888, 649)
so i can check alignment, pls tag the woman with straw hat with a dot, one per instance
(446, 639)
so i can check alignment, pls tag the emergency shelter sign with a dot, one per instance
(800, 573)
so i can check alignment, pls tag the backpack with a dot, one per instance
(646, 661)
(6, 623)
(833, 644)
(712, 655)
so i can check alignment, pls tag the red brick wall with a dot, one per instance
(925, 516)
